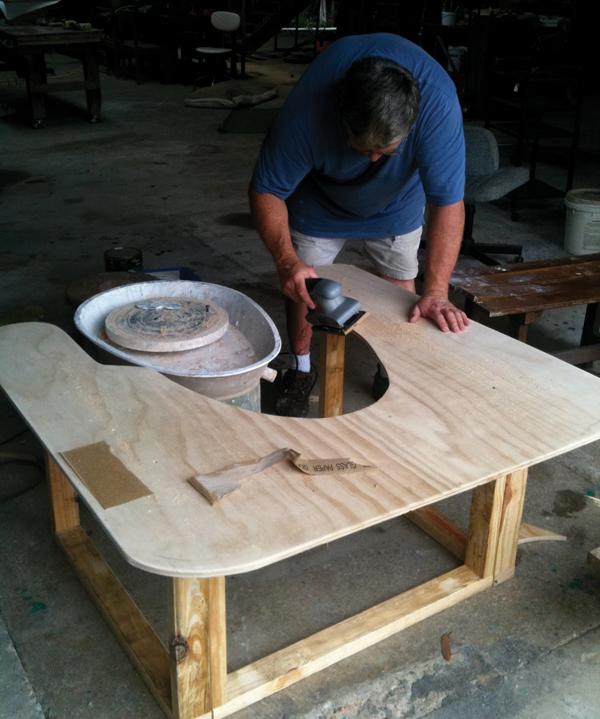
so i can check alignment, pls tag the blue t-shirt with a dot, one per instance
(332, 190)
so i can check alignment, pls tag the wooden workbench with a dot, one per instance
(468, 411)
(30, 43)
(523, 291)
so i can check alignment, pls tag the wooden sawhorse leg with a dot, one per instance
(331, 371)
(331, 374)
(198, 646)
(63, 498)
(496, 510)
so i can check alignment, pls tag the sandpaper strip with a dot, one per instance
(219, 484)
(107, 478)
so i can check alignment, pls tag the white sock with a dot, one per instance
(303, 362)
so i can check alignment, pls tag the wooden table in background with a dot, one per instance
(463, 412)
(524, 291)
(29, 45)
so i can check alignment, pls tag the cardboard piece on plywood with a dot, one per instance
(107, 478)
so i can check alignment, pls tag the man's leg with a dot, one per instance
(299, 380)
(298, 329)
(396, 257)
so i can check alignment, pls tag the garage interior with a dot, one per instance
(171, 181)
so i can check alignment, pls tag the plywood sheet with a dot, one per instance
(461, 410)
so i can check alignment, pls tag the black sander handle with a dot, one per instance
(326, 293)
(335, 310)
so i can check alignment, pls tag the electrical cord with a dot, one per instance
(66, 74)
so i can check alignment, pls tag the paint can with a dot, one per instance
(122, 259)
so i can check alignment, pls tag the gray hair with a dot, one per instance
(379, 101)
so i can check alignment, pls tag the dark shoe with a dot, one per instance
(381, 382)
(293, 400)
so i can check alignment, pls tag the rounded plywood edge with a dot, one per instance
(169, 325)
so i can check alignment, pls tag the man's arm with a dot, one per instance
(271, 217)
(444, 235)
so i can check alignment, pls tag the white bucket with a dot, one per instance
(582, 227)
(448, 17)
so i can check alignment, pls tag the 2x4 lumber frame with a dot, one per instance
(200, 686)
(440, 527)
(298, 661)
(331, 374)
(64, 509)
(510, 521)
(137, 638)
(198, 645)
(450, 535)
(484, 527)
(495, 512)
(472, 548)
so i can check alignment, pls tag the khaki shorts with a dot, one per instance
(394, 257)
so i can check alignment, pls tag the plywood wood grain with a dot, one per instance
(461, 410)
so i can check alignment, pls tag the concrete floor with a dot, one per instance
(158, 176)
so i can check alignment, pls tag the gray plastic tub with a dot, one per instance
(228, 368)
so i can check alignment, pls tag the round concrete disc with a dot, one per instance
(172, 324)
